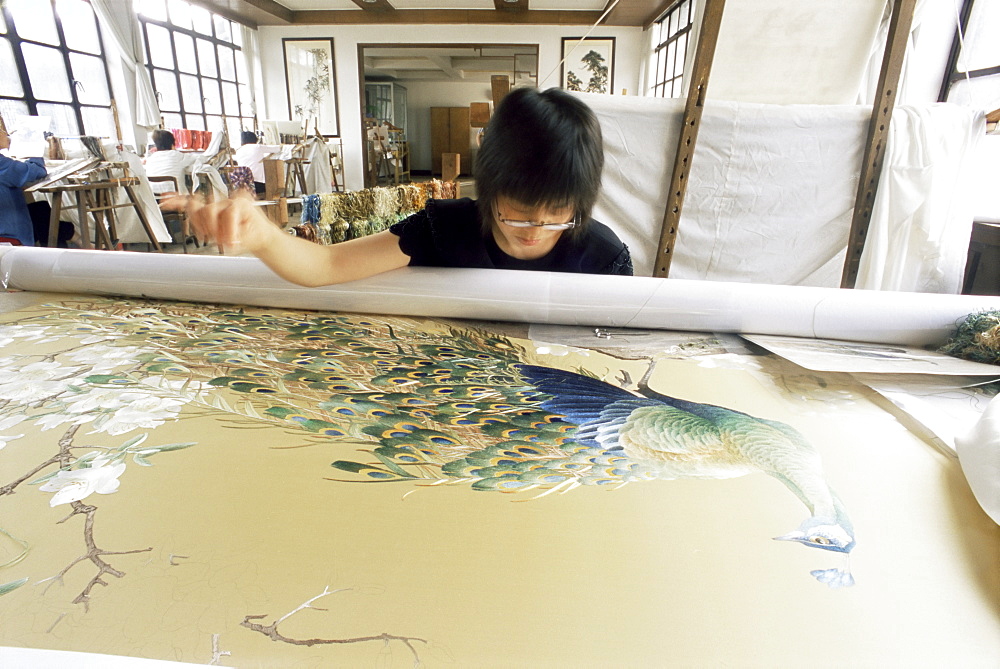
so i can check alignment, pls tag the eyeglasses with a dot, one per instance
(535, 224)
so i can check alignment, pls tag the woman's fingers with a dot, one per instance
(229, 223)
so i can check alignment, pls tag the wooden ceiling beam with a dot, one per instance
(371, 6)
(250, 13)
(510, 5)
(446, 16)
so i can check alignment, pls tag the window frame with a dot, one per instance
(953, 74)
(28, 93)
(176, 71)
(668, 48)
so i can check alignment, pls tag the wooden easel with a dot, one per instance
(93, 186)
(878, 128)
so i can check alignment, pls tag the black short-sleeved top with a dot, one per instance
(448, 233)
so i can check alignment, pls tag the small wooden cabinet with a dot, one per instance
(450, 131)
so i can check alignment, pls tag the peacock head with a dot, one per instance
(825, 534)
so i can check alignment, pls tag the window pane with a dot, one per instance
(981, 92)
(89, 71)
(152, 9)
(230, 100)
(161, 53)
(165, 84)
(227, 65)
(195, 122)
(63, 118)
(10, 82)
(681, 52)
(982, 40)
(172, 121)
(206, 58)
(190, 93)
(46, 73)
(237, 34)
(33, 20)
(98, 121)
(180, 13)
(3, 24)
(186, 60)
(201, 20)
(234, 126)
(79, 25)
(241, 68)
(223, 28)
(11, 109)
(210, 91)
(246, 100)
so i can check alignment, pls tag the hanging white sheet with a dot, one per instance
(771, 189)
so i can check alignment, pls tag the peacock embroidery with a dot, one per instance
(409, 402)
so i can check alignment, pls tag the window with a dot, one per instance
(973, 72)
(670, 39)
(52, 64)
(195, 59)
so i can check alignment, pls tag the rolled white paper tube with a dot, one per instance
(532, 297)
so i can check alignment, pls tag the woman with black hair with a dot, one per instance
(538, 172)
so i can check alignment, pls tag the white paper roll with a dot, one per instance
(532, 297)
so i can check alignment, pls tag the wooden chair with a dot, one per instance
(179, 219)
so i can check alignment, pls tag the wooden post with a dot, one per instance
(479, 114)
(500, 85)
(704, 55)
(451, 166)
(878, 132)
(274, 189)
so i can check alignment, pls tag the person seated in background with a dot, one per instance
(168, 162)
(15, 221)
(252, 154)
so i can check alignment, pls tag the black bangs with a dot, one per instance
(542, 149)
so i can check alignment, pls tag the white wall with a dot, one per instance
(629, 52)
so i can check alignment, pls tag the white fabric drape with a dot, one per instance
(771, 191)
(922, 219)
(317, 171)
(122, 23)
(251, 56)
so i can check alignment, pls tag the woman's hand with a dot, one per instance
(235, 224)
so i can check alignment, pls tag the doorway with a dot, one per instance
(401, 83)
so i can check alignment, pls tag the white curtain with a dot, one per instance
(251, 55)
(119, 19)
(922, 219)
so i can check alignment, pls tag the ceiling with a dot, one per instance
(470, 64)
(518, 12)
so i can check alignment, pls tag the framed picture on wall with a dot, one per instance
(311, 81)
(588, 64)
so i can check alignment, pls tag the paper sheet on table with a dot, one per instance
(829, 355)
(27, 137)
(946, 406)
(979, 453)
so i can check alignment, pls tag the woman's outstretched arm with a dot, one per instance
(238, 226)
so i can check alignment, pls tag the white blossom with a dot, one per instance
(32, 381)
(103, 358)
(11, 333)
(180, 387)
(73, 486)
(5, 438)
(141, 411)
(11, 421)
